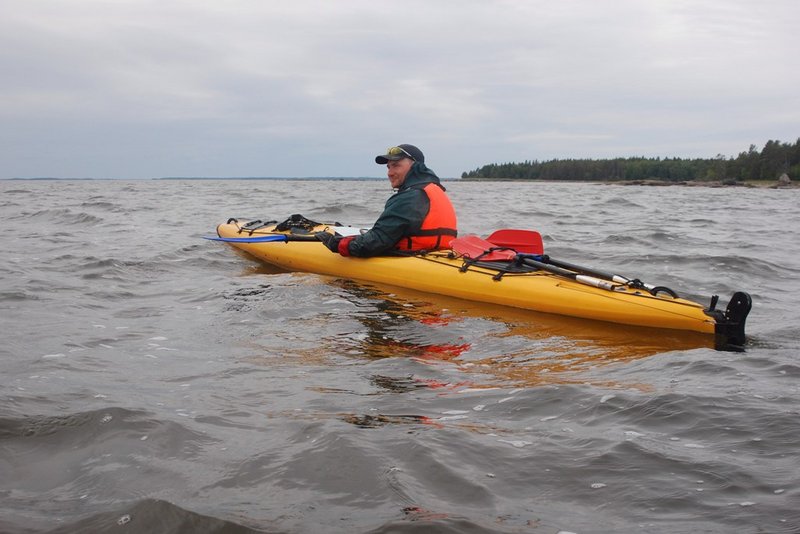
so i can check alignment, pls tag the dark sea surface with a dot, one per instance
(153, 381)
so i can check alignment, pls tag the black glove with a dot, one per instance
(329, 240)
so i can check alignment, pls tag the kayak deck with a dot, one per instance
(507, 283)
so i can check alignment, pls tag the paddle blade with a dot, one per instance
(523, 241)
(473, 247)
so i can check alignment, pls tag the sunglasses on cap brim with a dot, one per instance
(397, 151)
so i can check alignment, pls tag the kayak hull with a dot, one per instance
(445, 273)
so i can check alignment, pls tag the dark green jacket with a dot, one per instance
(402, 215)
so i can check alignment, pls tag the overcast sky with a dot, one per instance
(296, 88)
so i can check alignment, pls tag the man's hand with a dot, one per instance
(329, 240)
(334, 243)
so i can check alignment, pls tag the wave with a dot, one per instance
(78, 428)
(16, 295)
(618, 202)
(17, 192)
(60, 216)
(154, 515)
(62, 459)
(105, 205)
(352, 212)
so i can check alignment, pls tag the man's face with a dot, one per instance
(397, 171)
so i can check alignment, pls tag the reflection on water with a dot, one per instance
(489, 345)
(416, 423)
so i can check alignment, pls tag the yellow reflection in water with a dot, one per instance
(513, 347)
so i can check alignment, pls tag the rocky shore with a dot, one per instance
(784, 182)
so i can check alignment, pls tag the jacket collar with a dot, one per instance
(419, 174)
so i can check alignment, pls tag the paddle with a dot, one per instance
(634, 283)
(523, 241)
(530, 242)
(473, 247)
(262, 238)
(582, 278)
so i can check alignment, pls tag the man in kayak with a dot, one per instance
(419, 216)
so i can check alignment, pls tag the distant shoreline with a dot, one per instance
(760, 184)
(302, 178)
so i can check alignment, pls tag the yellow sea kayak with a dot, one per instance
(519, 280)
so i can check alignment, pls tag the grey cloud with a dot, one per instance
(139, 88)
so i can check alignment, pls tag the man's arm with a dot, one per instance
(402, 216)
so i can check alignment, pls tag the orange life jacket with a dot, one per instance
(438, 228)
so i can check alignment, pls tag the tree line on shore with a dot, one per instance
(769, 163)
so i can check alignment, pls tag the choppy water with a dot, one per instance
(156, 382)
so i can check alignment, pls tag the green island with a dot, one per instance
(773, 166)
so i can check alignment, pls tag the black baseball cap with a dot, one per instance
(399, 152)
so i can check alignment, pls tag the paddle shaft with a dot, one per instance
(263, 238)
(593, 272)
(582, 278)
(518, 239)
